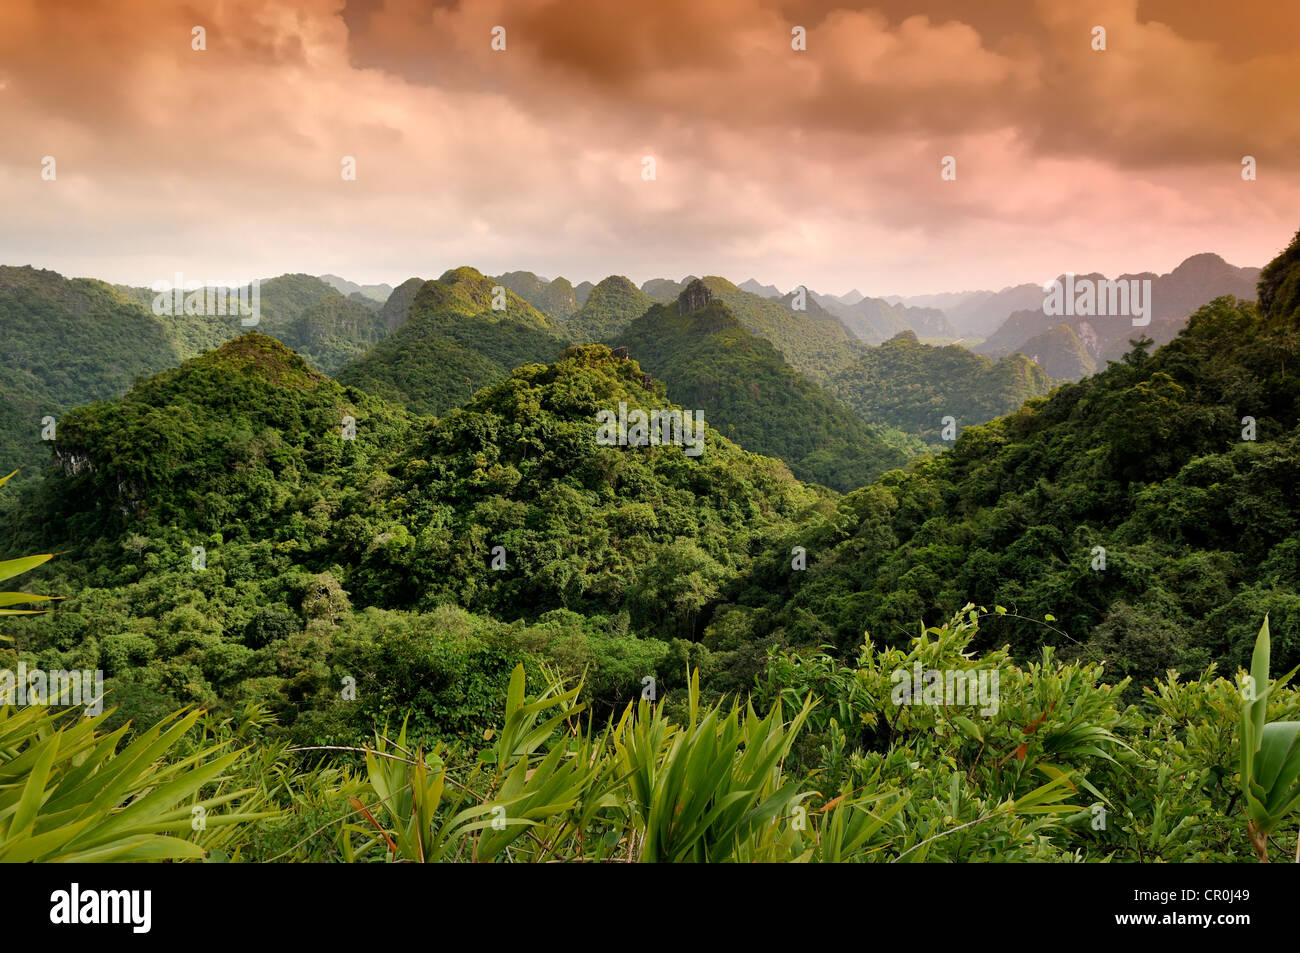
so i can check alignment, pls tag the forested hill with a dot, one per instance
(813, 341)
(747, 390)
(1146, 516)
(248, 442)
(556, 298)
(1279, 288)
(611, 306)
(912, 386)
(454, 341)
(398, 305)
(226, 538)
(307, 313)
(1150, 511)
(226, 442)
(66, 343)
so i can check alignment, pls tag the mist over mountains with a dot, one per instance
(1012, 319)
(1077, 346)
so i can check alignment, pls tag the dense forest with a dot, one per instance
(611, 306)
(912, 386)
(67, 343)
(420, 613)
(459, 335)
(1150, 509)
(754, 397)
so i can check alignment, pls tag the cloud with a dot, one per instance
(819, 167)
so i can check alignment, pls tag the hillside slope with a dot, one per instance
(1138, 512)
(912, 386)
(453, 343)
(612, 305)
(710, 361)
(66, 342)
(555, 298)
(1104, 337)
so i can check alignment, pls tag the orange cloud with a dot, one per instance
(819, 166)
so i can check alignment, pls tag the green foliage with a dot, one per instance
(1145, 461)
(711, 787)
(16, 567)
(748, 392)
(64, 343)
(398, 306)
(519, 467)
(912, 386)
(453, 343)
(1279, 287)
(325, 558)
(1055, 769)
(333, 330)
(556, 299)
(643, 790)
(68, 794)
(245, 430)
(301, 311)
(814, 342)
(226, 544)
(1270, 752)
(613, 304)
(69, 342)
(1060, 352)
(1060, 770)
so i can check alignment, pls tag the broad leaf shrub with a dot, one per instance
(1157, 780)
(820, 763)
(71, 792)
(1270, 753)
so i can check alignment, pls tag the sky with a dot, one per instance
(819, 166)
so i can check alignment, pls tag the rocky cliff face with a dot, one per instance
(695, 297)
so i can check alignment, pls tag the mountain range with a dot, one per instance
(322, 542)
(1074, 346)
(245, 534)
(457, 337)
(914, 387)
(752, 395)
(429, 345)
(377, 293)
